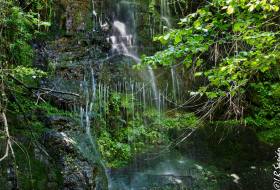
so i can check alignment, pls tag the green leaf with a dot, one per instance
(237, 27)
(45, 24)
(197, 24)
(230, 10)
(211, 95)
(178, 38)
(197, 74)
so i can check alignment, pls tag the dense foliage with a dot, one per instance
(18, 26)
(234, 46)
(232, 43)
(20, 22)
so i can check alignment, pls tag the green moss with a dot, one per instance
(270, 136)
(36, 127)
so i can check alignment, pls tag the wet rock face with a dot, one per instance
(77, 172)
(72, 16)
(77, 175)
(69, 59)
(71, 52)
(59, 141)
(60, 123)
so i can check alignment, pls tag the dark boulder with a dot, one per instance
(77, 171)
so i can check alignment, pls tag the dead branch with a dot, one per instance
(9, 144)
(47, 90)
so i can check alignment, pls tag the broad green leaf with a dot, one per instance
(211, 95)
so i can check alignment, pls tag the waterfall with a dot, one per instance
(120, 27)
(165, 12)
(123, 43)
(122, 38)
(164, 8)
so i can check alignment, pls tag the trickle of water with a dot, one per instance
(86, 139)
(154, 86)
(174, 83)
(93, 85)
(166, 20)
(165, 12)
(94, 15)
(164, 8)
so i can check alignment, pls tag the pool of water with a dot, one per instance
(168, 170)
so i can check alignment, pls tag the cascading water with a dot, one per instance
(124, 43)
(123, 40)
(175, 85)
(154, 87)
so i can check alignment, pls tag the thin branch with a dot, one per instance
(9, 144)
(48, 90)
